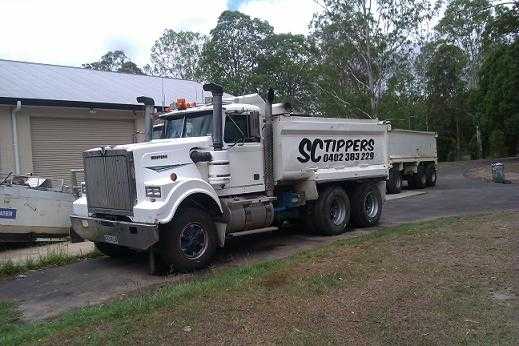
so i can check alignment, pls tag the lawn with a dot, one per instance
(439, 282)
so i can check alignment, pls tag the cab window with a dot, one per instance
(237, 129)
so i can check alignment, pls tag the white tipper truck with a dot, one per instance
(230, 168)
(412, 157)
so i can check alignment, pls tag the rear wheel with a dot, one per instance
(189, 243)
(114, 251)
(394, 184)
(330, 214)
(431, 175)
(419, 179)
(366, 205)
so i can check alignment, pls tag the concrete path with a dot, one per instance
(34, 253)
(405, 194)
(47, 293)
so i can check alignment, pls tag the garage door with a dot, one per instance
(58, 143)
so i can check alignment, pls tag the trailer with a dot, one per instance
(232, 167)
(413, 158)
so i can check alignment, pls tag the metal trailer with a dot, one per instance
(412, 157)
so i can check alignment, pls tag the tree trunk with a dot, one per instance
(458, 140)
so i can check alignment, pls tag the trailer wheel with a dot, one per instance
(189, 241)
(114, 251)
(366, 205)
(394, 184)
(419, 179)
(431, 175)
(330, 214)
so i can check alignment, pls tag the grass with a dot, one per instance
(53, 258)
(425, 283)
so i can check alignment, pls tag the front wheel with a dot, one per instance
(189, 241)
(366, 205)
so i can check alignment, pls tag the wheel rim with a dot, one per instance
(371, 205)
(433, 177)
(338, 211)
(398, 182)
(193, 241)
(423, 179)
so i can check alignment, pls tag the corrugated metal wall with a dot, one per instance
(58, 143)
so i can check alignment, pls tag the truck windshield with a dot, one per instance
(189, 125)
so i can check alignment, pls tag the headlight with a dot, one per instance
(153, 191)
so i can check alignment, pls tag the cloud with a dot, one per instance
(286, 16)
(75, 32)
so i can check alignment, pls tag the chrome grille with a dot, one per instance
(110, 181)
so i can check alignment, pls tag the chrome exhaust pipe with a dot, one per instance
(217, 92)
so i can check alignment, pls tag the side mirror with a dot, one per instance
(254, 125)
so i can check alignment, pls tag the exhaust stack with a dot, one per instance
(268, 145)
(149, 104)
(217, 92)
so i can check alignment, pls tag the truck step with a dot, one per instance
(253, 231)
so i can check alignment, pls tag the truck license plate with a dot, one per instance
(112, 239)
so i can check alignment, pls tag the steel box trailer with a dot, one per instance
(412, 157)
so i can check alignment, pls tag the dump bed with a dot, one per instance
(410, 146)
(327, 149)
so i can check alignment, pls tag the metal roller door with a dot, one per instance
(58, 143)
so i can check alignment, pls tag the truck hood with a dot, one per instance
(165, 144)
(164, 153)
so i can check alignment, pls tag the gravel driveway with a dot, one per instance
(47, 293)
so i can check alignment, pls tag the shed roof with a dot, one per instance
(42, 84)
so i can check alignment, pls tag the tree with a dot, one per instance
(177, 54)
(230, 57)
(288, 66)
(363, 44)
(115, 61)
(463, 25)
(498, 101)
(446, 89)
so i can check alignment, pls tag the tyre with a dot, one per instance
(366, 205)
(394, 184)
(189, 241)
(419, 179)
(431, 175)
(114, 251)
(330, 214)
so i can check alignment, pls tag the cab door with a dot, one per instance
(242, 141)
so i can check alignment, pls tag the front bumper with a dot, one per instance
(138, 236)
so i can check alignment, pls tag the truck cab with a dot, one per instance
(231, 167)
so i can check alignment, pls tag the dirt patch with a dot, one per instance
(484, 173)
(432, 283)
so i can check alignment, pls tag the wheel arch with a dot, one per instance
(194, 193)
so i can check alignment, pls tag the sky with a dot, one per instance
(73, 32)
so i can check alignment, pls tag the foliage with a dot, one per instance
(176, 54)
(115, 61)
(446, 90)
(230, 56)
(288, 67)
(463, 25)
(364, 44)
(496, 143)
(498, 101)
